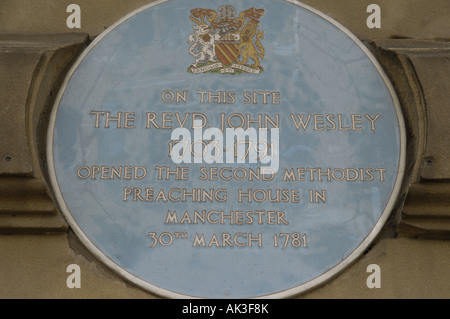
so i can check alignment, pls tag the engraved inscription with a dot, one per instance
(240, 138)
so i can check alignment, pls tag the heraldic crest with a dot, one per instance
(225, 42)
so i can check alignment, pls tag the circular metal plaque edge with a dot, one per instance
(60, 202)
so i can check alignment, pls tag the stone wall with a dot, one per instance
(36, 244)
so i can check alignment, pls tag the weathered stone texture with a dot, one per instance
(31, 69)
(15, 156)
(433, 71)
(418, 19)
(420, 72)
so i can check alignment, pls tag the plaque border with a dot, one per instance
(302, 288)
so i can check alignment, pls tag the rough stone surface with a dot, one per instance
(35, 267)
(401, 18)
(31, 69)
(15, 156)
(420, 71)
(434, 74)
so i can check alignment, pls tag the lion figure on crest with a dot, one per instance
(203, 48)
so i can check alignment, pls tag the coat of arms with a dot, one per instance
(225, 42)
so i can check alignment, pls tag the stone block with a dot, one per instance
(32, 68)
(17, 71)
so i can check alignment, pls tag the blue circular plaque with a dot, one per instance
(226, 149)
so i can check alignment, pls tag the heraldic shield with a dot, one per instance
(225, 42)
(227, 52)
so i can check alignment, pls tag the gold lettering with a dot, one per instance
(171, 217)
(151, 116)
(270, 195)
(255, 97)
(348, 174)
(239, 174)
(114, 119)
(186, 218)
(258, 239)
(231, 217)
(356, 120)
(112, 172)
(320, 122)
(372, 120)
